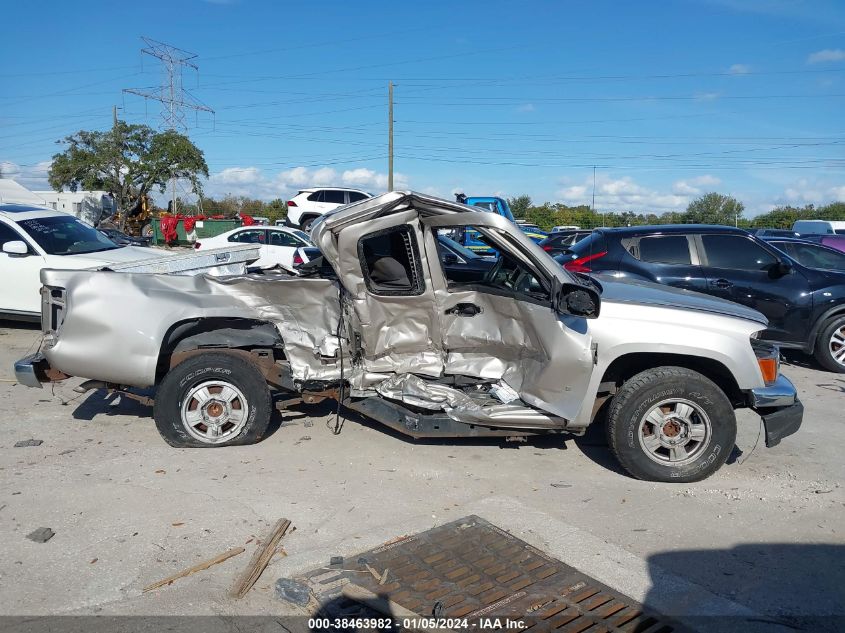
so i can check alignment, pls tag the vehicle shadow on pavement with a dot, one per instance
(348, 416)
(101, 402)
(787, 586)
(797, 359)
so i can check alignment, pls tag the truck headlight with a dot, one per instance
(768, 359)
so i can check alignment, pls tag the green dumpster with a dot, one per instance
(203, 228)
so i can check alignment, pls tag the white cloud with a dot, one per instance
(826, 55)
(30, 176)
(693, 186)
(237, 176)
(526, 107)
(806, 191)
(739, 69)
(706, 96)
(624, 194)
(254, 183)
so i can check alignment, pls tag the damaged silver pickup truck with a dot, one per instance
(378, 324)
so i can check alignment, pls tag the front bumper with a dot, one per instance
(30, 369)
(780, 408)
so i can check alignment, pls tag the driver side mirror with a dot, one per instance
(782, 268)
(16, 248)
(578, 300)
(449, 258)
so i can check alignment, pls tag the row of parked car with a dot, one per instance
(797, 283)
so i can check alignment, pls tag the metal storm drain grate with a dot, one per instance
(470, 569)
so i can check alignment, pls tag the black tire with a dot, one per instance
(203, 374)
(712, 419)
(827, 346)
(305, 223)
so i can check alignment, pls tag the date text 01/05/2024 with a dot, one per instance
(416, 623)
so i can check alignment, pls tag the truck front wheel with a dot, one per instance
(212, 400)
(671, 424)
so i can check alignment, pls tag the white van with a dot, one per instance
(819, 227)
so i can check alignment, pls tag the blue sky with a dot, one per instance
(667, 99)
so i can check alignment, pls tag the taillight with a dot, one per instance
(291, 203)
(297, 259)
(580, 265)
(197, 245)
(547, 248)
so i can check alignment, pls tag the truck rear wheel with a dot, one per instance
(212, 400)
(671, 424)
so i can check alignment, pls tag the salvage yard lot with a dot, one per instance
(128, 510)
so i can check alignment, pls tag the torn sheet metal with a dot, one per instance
(458, 405)
(109, 307)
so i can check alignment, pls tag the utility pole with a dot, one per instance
(173, 97)
(390, 138)
(114, 116)
(593, 207)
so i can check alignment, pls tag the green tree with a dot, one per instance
(714, 208)
(128, 161)
(519, 206)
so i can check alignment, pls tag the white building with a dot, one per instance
(88, 206)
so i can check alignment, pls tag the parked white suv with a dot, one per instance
(310, 204)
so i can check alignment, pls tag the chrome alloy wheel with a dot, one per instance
(214, 412)
(836, 345)
(675, 431)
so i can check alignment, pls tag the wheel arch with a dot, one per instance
(835, 311)
(256, 339)
(628, 365)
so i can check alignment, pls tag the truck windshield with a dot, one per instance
(65, 235)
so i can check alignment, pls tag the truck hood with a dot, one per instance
(641, 292)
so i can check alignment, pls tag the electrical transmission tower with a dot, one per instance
(171, 93)
(175, 100)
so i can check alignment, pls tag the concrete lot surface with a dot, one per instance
(763, 538)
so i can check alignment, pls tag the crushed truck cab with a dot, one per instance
(526, 348)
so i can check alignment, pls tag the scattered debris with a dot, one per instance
(93, 561)
(336, 561)
(41, 535)
(198, 567)
(560, 485)
(260, 559)
(292, 591)
(383, 578)
(68, 451)
(304, 438)
(161, 471)
(178, 524)
(822, 492)
(24, 443)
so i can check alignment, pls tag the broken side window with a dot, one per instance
(502, 272)
(390, 261)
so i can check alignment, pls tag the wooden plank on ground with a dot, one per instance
(260, 559)
(198, 567)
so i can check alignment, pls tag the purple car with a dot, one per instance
(831, 241)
